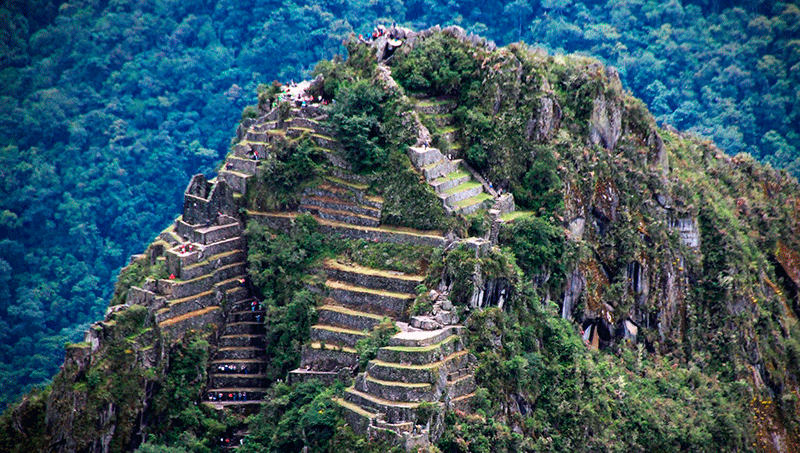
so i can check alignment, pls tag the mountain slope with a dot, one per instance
(623, 286)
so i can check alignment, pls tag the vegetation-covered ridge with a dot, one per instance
(104, 105)
(647, 297)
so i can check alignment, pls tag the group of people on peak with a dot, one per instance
(381, 30)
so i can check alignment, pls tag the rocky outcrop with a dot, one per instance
(605, 124)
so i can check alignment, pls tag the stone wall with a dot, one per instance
(201, 206)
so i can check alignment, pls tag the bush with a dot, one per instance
(357, 116)
(379, 337)
(538, 246)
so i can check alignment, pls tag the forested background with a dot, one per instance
(107, 107)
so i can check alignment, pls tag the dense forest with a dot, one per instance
(108, 107)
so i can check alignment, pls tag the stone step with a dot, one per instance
(461, 386)
(461, 192)
(327, 358)
(196, 320)
(241, 352)
(414, 339)
(390, 371)
(443, 120)
(179, 289)
(213, 262)
(242, 341)
(308, 123)
(328, 190)
(235, 294)
(208, 235)
(253, 393)
(336, 315)
(283, 220)
(170, 236)
(472, 204)
(237, 180)
(340, 216)
(438, 169)
(335, 158)
(386, 303)
(242, 366)
(327, 143)
(230, 285)
(395, 391)
(219, 380)
(394, 429)
(246, 305)
(372, 278)
(258, 137)
(336, 335)
(241, 408)
(225, 245)
(357, 417)
(240, 165)
(187, 304)
(324, 377)
(393, 411)
(244, 328)
(264, 126)
(420, 355)
(358, 189)
(339, 204)
(462, 403)
(352, 192)
(449, 134)
(456, 178)
(247, 316)
(422, 156)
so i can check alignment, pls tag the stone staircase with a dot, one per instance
(418, 366)
(460, 191)
(237, 379)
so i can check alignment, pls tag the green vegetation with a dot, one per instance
(379, 337)
(409, 259)
(441, 66)
(277, 263)
(304, 416)
(291, 166)
(558, 396)
(539, 248)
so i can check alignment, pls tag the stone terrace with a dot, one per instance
(207, 286)
(454, 183)
(357, 299)
(417, 366)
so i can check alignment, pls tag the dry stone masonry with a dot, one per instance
(418, 365)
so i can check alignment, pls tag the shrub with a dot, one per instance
(379, 337)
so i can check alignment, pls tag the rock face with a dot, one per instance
(605, 125)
